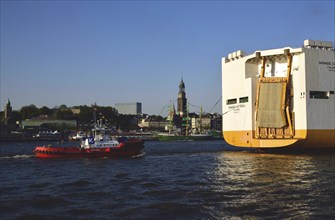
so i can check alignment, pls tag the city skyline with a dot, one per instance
(107, 52)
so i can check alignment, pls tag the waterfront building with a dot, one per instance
(216, 122)
(201, 123)
(134, 108)
(146, 124)
(48, 124)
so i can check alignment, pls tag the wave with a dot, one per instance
(142, 154)
(18, 156)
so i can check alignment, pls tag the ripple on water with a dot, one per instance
(172, 181)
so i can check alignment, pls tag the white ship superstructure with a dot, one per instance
(280, 97)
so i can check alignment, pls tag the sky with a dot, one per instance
(107, 52)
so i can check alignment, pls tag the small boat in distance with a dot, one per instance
(98, 145)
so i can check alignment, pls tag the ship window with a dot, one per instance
(231, 101)
(244, 99)
(319, 94)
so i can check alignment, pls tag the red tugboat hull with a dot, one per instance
(129, 149)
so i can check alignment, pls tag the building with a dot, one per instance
(153, 125)
(10, 119)
(216, 122)
(201, 123)
(75, 111)
(48, 124)
(134, 108)
(182, 101)
(8, 112)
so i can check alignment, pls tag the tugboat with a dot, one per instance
(98, 145)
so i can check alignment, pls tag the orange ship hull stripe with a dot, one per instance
(305, 138)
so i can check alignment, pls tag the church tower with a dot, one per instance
(182, 101)
(8, 111)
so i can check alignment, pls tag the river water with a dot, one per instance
(171, 180)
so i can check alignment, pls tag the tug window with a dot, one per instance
(231, 101)
(319, 94)
(244, 99)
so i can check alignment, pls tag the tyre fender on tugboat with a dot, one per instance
(121, 145)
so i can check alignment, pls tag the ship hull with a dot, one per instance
(314, 139)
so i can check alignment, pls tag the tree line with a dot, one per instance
(83, 115)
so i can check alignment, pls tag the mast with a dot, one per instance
(200, 121)
(170, 117)
(187, 121)
(94, 114)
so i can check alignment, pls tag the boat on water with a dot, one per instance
(180, 137)
(280, 98)
(98, 145)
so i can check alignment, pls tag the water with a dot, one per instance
(172, 180)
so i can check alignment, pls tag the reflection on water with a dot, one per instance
(254, 184)
(175, 180)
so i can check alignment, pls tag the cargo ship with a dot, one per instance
(280, 98)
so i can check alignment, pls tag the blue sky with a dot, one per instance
(82, 52)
